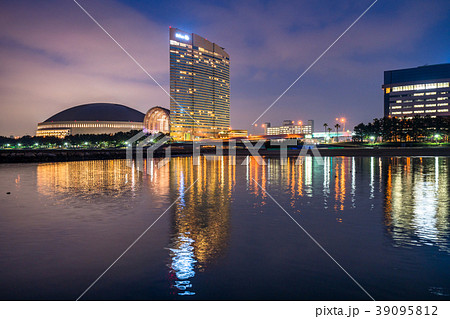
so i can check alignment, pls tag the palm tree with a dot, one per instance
(337, 126)
(329, 131)
(325, 125)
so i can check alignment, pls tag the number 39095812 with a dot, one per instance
(406, 310)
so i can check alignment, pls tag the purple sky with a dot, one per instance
(52, 56)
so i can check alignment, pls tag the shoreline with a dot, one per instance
(45, 156)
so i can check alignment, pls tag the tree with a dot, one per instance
(337, 126)
(402, 129)
(359, 130)
(325, 125)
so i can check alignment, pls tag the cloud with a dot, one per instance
(281, 41)
(53, 56)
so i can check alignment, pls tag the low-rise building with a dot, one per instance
(289, 127)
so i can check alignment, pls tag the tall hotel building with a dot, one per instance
(199, 86)
(418, 91)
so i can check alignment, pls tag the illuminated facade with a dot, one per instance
(289, 127)
(157, 120)
(234, 134)
(199, 86)
(95, 118)
(418, 91)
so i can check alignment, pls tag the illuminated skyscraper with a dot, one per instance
(199, 86)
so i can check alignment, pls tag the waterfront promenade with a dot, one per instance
(62, 155)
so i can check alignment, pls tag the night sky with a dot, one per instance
(52, 56)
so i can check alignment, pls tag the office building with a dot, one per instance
(417, 91)
(289, 127)
(199, 87)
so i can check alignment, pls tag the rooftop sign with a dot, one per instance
(182, 36)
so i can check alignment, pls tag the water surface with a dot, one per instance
(385, 220)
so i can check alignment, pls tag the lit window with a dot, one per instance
(417, 87)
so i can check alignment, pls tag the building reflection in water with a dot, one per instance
(87, 179)
(200, 218)
(416, 201)
(413, 194)
(99, 181)
(303, 178)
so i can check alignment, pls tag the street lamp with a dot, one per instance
(437, 137)
(343, 122)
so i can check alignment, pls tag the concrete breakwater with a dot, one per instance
(29, 156)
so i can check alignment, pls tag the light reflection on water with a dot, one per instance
(410, 197)
(417, 201)
(200, 218)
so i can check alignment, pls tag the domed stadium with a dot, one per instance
(94, 118)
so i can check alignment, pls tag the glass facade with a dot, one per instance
(157, 120)
(199, 87)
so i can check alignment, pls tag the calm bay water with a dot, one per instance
(385, 220)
